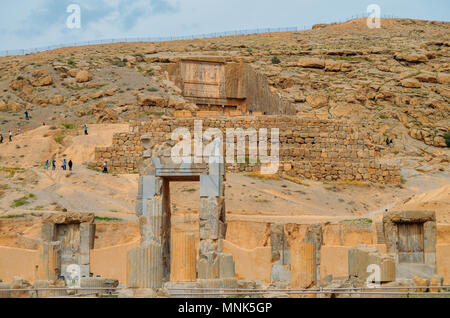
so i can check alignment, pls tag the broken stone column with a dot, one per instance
(281, 254)
(314, 235)
(148, 265)
(144, 266)
(184, 256)
(303, 265)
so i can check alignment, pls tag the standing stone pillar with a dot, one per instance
(149, 264)
(184, 256)
(303, 265)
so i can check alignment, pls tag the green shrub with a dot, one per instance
(275, 60)
(447, 138)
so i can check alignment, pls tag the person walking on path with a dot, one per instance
(27, 116)
(10, 136)
(46, 165)
(391, 143)
(1, 138)
(64, 165)
(53, 164)
(105, 167)
(85, 129)
(70, 165)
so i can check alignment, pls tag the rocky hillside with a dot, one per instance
(394, 80)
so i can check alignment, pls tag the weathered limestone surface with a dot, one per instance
(362, 256)
(303, 265)
(183, 258)
(145, 268)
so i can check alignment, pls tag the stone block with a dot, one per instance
(303, 265)
(145, 266)
(226, 266)
(183, 258)
(281, 273)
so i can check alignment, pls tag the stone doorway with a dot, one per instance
(149, 265)
(410, 243)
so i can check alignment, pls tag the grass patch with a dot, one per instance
(13, 216)
(296, 180)
(60, 138)
(259, 175)
(114, 211)
(107, 219)
(12, 170)
(68, 126)
(190, 190)
(402, 180)
(360, 221)
(20, 202)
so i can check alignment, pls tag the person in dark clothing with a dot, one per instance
(105, 167)
(387, 142)
(53, 164)
(391, 143)
(27, 117)
(47, 164)
(64, 165)
(10, 136)
(1, 138)
(85, 129)
(70, 165)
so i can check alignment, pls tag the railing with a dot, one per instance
(176, 38)
(192, 292)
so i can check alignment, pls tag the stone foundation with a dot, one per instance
(310, 148)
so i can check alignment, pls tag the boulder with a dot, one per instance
(3, 106)
(411, 57)
(309, 62)
(83, 76)
(152, 100)
(411, 83)
(443, 78)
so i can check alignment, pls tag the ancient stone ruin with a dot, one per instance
(149, 265)
(66, 241)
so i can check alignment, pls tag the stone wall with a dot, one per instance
(310, 148)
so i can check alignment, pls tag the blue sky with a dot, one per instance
(26, 24)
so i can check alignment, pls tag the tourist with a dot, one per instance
(27, 117)
(46, 165)
(53, 164)
(387, 142)
(70, 165)
(18, 130)
(250, 110)
(85, 129)
(1, 138)
(391, 143)
(105, 167)
(64, 165)
(10, 136)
